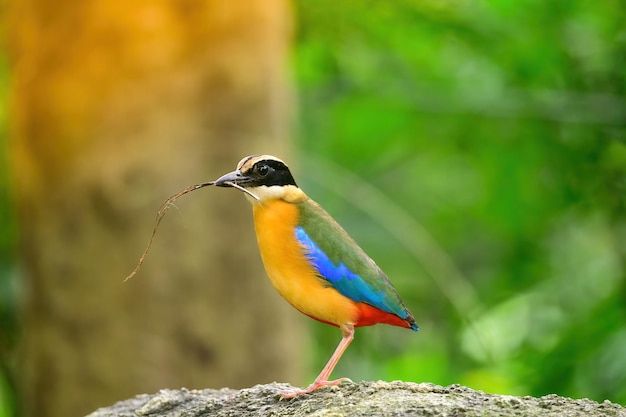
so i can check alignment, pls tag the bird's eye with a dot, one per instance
(263, 170)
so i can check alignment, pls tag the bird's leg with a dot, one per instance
(322, 379)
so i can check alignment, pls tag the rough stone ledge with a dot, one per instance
(369, 399)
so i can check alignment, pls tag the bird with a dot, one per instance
(312, 261)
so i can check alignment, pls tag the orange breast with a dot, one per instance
(290, 272)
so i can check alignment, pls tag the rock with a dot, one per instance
(369, 399)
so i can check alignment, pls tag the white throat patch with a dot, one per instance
(274, 192)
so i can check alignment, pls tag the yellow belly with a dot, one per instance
(290, 272)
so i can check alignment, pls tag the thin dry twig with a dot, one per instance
(245, 190)
(162, 210)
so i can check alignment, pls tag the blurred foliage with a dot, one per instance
(477, 151)
(8, 279)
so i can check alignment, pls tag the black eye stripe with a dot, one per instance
(270, 172)
(268, 165)
(277, 165)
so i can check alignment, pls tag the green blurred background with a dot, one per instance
(477, 152)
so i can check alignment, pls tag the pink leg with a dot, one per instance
(322, 379)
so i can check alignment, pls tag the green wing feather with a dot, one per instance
(343, 264)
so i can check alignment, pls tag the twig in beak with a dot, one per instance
(239, 187)
(162, 210)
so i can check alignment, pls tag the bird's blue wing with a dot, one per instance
(369, 285)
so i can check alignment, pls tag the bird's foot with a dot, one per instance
(313, 387)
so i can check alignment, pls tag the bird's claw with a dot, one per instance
(313, 387)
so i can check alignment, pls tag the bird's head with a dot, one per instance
(261, 177)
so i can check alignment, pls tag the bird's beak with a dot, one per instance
(234, 177)
(236, 180)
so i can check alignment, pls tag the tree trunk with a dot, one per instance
(117, 105)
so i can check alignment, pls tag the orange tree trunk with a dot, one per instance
(115, 106)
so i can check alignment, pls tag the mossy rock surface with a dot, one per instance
(369, 399)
